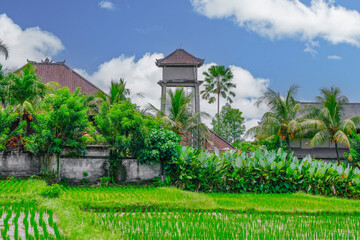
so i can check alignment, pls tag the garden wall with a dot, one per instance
(90, 167)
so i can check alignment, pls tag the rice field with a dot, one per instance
(143, 212)
(26, 221)
(158, 224)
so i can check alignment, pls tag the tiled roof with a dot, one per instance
(349, 109)
(59, 72)
(180, 58)
(218, 142)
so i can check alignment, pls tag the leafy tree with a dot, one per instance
(160, 147)
(4, 49)
(7, 117)
(124, 128)
(325, 120)
(218, 82)
(281, 120)
(229, 124)
(63, 124)
(180, 119)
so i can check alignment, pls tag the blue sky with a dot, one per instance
(271, 43)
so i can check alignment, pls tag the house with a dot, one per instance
(59, 72)
(325, 151)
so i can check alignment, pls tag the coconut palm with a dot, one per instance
(25, 88)
(181, 120)
(118, 93)
(4, 49)
(281, 119)
(218, 82)
(4, 88)
(325, 120)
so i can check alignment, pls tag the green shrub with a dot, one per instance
(53, 191)
(262, 172)
(160, 147)
(104, 181)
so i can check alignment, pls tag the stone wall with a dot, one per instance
(90, 167)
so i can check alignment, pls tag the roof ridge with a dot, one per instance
(217, 135)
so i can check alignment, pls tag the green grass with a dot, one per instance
(173, 198)
(170, 213)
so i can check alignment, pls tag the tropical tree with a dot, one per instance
(218, 82)
(4, 87)
(4, 49)
(118, 93)
(25, 88)
(63, 124)
(325, 120)
(229, 124)
(282, 118)
(180, 119)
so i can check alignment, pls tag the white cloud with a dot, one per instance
(142, 76)
(248, 90)
(106, 4)
(334, 57)
(31, 43)
(288, 18)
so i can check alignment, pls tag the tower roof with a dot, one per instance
(179, 57)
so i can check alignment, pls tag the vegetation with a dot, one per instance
(160, 147)
(63, 124)
(354, 154)
(262, 172)
(326, 121)
(4, 49)
(167, 212)
(281, 120)
(218, 82)
(181, 120)
(229, 124)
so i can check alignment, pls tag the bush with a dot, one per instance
(160, 147)
(104, 181)
(262, 172)
(53, 191)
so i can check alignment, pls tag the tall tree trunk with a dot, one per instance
(218, 113)
(58, 165)
(162, 171)
(337, 153)
(288, 143)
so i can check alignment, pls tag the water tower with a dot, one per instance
(180, 70)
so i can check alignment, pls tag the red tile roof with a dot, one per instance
(180, 58)
(49, 71)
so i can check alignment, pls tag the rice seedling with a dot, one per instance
(205, 224)
(25, 221)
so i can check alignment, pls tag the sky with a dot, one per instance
(266, 43)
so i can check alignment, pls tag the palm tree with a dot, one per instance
(325, 120)
(218, 82)
(281, 120)
(4, 49)
(118, 93)
(4, 88)
(180, 119)
(25, 88)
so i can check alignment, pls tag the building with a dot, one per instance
(59, 72)
(180, 69)
(325, 151)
